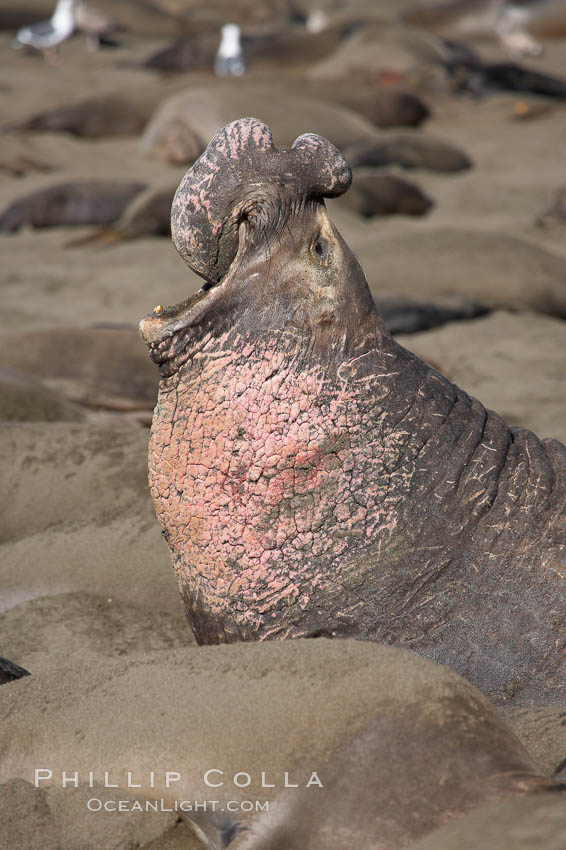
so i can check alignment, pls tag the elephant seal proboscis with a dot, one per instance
(313, 477)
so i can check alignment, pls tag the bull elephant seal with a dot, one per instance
(312, 477)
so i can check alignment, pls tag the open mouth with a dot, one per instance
(164, 322)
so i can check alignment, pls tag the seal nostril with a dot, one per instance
(321, 247)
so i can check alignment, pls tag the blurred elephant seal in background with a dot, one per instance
(401, 746)
(409, 150)
(148, 214)
(385, 194)
(26, 399)
(93, 117)
(181, 127)
(383, 105)
(103, 363)
(289, 47)
(73, 204)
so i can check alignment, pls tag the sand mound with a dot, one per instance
(59, 473)
(20, 156)
(273, 707)
(40, 631)
(28, 813)
(77, 516)
(45, 288)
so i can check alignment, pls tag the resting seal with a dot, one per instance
(73, 204)
(311, 476)
(401, 745)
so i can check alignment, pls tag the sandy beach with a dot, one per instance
(89, 604)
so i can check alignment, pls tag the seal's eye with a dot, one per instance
(320, 248)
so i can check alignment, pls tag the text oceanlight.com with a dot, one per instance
(97, 805)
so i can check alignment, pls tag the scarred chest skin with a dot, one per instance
(325, 501)
(312, 477)
(272, 493)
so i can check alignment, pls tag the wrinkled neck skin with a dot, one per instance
(313, 478)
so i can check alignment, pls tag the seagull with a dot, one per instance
(48, 35)
(511, 28)
(317, 21)
(230, 59)
(509, 21)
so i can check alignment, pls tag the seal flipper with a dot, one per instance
(215, 833)
(10, 671)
